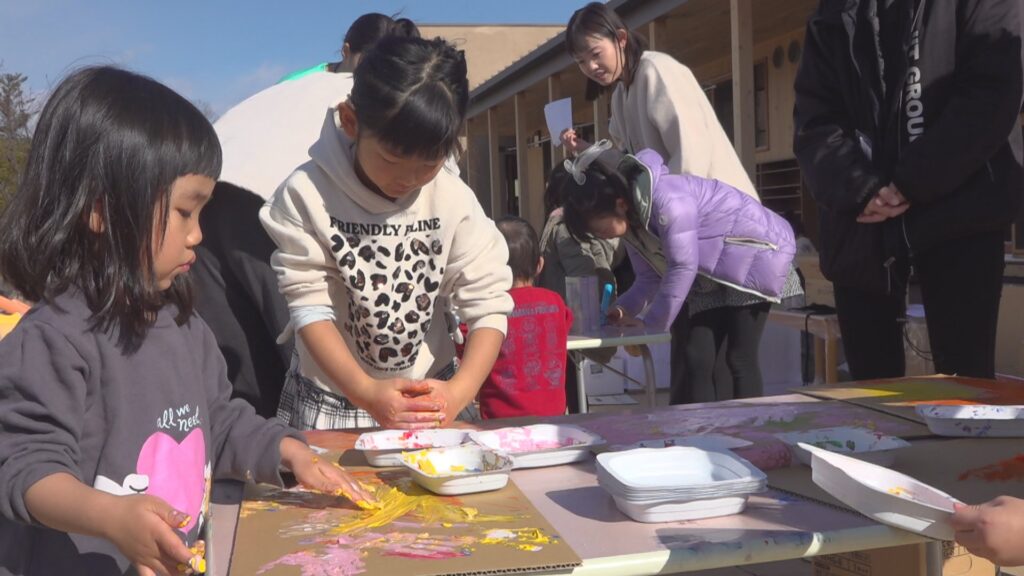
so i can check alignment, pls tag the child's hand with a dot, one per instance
(572, 142)
(444, 393)
(404, 404)
(145, 529)
(322, 475)
(994, 530)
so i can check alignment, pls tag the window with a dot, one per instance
(761, 105)
(720, 95)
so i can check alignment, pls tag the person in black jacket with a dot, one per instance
(906, 131)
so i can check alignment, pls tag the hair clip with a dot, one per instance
(578, 167)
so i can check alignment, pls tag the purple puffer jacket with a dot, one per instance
(705, 227)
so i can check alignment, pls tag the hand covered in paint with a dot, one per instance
(888, 203)
(993, 530)
(444, 393)
(321, 474)
(145, 529)
(402, 403)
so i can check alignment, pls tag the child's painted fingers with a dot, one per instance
(413, 388)
(427, 405)
(172, 550)
(176, 518)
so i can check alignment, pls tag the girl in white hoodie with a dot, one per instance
(378, 243)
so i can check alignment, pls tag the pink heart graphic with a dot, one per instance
(176, 471)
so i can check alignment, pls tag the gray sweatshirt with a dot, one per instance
(159, 421)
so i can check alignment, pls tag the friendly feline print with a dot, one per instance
(392, 284)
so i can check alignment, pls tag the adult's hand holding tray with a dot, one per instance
(884, 495)
(540, 444)
(290, 533)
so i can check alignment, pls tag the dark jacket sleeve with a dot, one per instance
(838, 173)
(982, 109)
(245, 445)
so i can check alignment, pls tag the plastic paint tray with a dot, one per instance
(977, 420)
(860, 443)
(458, 470)
(540, 444)
(384, 448)
(884, 495)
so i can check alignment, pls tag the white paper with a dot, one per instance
(559, 118)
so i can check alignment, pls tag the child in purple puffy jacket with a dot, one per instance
(682, 232)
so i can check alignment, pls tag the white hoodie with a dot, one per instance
(387, 268)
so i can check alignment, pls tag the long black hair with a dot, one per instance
(523, 247)
(369, 28)
(597, 19)
(109, 142)
(603, 186)
(411, 94)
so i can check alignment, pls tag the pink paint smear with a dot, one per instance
(333, 560)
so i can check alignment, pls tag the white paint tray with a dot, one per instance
(385, 447)
(716, 442)
(540, 444)
(860, 443)
(977, 420)
(458, 470)
(883, 495)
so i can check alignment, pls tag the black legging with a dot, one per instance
(741, 327)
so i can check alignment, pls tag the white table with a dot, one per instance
(615, 336)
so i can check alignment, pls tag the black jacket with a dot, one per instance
(941, 125)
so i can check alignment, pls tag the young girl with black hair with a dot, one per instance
(678, 228)
(656, 102)
(114, 406)
(377, 243)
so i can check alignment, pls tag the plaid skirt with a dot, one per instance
(306, 406)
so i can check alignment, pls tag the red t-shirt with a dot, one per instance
(528, 378)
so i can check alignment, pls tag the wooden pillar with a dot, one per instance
(741, 19)
(601, 117)
(656, 30)
(497, 203)
(522, 158)
(555, 93)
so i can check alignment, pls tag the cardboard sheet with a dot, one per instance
(303, 533)
(973, 470)
(754, 419)
(899, 396)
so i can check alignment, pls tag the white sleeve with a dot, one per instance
(674, 116)
(302, 263)
(477, 276)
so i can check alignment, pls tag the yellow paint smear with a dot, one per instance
(526, 539)
(429, 509)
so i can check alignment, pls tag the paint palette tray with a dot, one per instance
(716, 442)
(458, 470)
(977, 420)
(385, 447)
(883, 495)
(677, 483)
(860, 443)
(540, 444)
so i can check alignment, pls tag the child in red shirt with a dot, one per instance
(528, 378)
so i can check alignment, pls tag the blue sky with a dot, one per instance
(217, 51)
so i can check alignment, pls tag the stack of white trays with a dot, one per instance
(677, 483)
